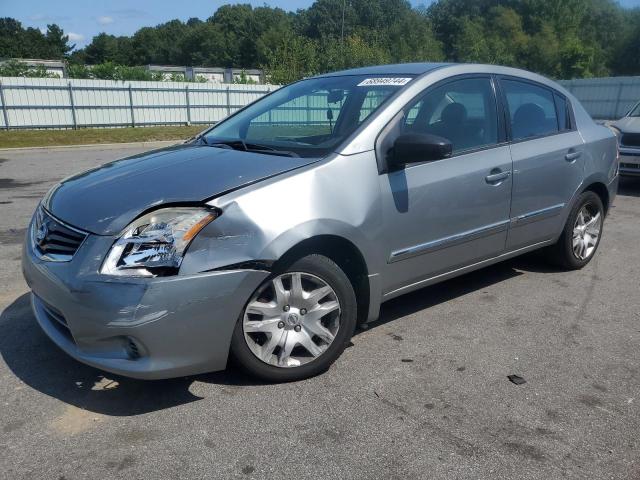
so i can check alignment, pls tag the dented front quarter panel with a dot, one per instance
(338, 197)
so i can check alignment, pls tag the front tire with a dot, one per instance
(297, 322)
(582, 233)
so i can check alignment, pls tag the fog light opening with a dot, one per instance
(134, 351)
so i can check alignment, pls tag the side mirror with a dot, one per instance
(418, 147)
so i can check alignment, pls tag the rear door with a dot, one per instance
(548, 165)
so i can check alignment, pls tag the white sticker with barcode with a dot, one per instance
(380, 81)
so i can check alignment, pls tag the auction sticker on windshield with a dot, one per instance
(372, 82)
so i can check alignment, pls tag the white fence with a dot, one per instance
(605, 98)
(61, 103)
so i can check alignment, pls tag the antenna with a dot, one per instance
(344, 7)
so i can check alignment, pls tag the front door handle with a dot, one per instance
(572, 156)
(496, 177)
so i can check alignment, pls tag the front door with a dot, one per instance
(450, 213)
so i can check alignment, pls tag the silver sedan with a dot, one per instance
(272, 235)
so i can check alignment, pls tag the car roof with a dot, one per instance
(394, 69)
(417, 69)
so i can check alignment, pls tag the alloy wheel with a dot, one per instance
(586, 231)
(291, 320)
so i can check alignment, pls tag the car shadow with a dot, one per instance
(629, 186)
(443, 292)
(40, 364)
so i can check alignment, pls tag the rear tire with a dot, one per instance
(582, 233)
(284, 334)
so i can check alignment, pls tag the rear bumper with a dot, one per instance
(629, 161)
(141, 328)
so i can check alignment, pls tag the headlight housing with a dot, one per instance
(155, 243)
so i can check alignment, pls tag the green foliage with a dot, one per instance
(76, 70)
(294, 58)
(243, 79)
(106, 48)
(559, 38)
(352, 52)
(19, 42)
(113, 71)
(15, 68)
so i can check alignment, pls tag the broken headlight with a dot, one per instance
(155, 243)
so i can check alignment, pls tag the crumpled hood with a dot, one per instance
(106, 199)
(628, 124)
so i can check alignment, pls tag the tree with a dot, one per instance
(559, 38)
(543, 52)
(11, 32)
(353, 52)
(19, 42)
(294, 58)
(57, 42)
(108, 48)
(627, 60)
(203, 46)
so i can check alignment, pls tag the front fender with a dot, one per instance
(339, 197)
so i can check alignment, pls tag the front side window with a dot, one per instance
(635, 111)
(462, 111)
(308, 118)
(532, 109)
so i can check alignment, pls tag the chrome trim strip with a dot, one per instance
(461, 270)
(629, 152)
(629, 171)
(446, 242)
(65, 224)
(537, 215)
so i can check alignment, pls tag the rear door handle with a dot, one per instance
(496, 177)
(572, 156)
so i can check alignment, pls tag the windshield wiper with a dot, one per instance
(267, 150)
(241, 145)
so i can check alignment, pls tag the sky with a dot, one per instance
(82, 19)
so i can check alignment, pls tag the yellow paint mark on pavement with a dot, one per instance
(75, 420)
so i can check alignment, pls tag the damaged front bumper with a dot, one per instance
(148, 328)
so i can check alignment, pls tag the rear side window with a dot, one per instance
(532, 109)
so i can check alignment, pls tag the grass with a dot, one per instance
(85, 136)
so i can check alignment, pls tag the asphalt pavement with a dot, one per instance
(423, 393)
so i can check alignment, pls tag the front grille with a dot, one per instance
(630, 140)
(634, 166)
(53, 239)
(57, 320)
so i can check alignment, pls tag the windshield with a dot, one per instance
(308, 118)
(635, 111)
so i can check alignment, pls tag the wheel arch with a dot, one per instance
(345, 254)
(601, 190)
